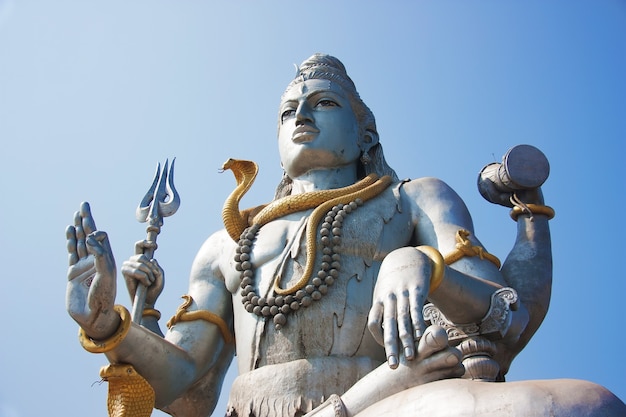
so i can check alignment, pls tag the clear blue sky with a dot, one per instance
(94, 94)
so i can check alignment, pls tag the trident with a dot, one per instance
(160, 201)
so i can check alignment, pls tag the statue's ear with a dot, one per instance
(369, 139)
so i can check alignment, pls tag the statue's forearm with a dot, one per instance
(463, 298)
(528, 267)
(165, 366)
(168, 368)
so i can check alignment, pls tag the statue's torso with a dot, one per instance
(336, 325)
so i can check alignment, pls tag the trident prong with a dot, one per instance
(162, 191)
(161, 200)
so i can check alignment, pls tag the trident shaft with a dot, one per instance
(161, 200)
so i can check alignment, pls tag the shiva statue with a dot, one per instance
(351, 293)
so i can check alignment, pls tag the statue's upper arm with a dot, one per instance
(203, 334)
(206, 332)
(207, 281)
(438, 213)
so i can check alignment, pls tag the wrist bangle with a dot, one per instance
(436, 275)
(151, 312)
(532, 209)
(113, 341)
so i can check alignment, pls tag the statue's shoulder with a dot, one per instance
(429, 190)
(212, 254)
(432, 199)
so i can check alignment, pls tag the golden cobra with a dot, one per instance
(237, 221)
(129, 394)
(245, 172)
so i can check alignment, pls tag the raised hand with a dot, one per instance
(91, 276)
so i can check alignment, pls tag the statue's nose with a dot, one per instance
(304, 114)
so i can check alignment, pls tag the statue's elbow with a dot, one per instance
(518, 324)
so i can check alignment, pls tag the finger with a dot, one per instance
(103, 238)
(454, 371)
(95, 244)
(444, 364)
(416, 305)
(131, 282)
(374, 323)
(156, 268)
(156, 287)
(140, 278)
(70, 235)
(531, 196)
(138, 272)
(405, 326)
(449, 357)
(81, 250)
(143, 245)
(88, 223)
(137, 260)
(99, 243)
(435, 339)
(103, 289)
(157, 272)
(390, 331)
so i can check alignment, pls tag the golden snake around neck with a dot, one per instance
(236, 221)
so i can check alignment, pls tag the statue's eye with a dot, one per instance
(327, 103)
(287, 114)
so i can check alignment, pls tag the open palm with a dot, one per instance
(91, 276)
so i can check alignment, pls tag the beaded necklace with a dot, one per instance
(284, 302)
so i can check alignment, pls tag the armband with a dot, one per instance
(113, 341)
(151, 312)
(532, 209)
(183, 315)
(465, 248)
(439, 266)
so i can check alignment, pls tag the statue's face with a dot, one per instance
(317, 128)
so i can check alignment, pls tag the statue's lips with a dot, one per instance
(304, 134)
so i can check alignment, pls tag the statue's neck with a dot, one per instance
(326, 179)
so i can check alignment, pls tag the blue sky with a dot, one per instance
(94, 94)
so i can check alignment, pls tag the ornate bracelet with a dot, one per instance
(113, 341)
(152, 312)
(183, 315)
(439, 265)
(532, 209)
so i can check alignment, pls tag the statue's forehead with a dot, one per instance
(311, 86)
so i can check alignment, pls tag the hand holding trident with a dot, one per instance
(161, 200)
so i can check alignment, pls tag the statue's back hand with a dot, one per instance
(141, 269)
(91, 277)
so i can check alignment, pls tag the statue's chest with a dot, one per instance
(333, 322)
(282, 249)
